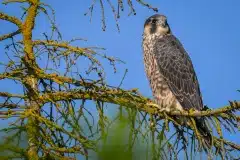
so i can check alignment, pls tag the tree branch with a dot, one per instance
(64, 79)
(65, 45)
(11, 19)
(9, 95)
(15, 75)
(9, 113)
(233, 145)
(11, 105)
(13, 1)
(10, 35)
(30, 80)
(64, 132)
(128, 99)
(85, 141)
(215, 112)
(116, 96)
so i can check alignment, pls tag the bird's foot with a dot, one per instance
(160, 109)
(152, 104)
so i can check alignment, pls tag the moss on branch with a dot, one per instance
(14, 75)
(9, 35)
(9, 95)
(129, 99)
(51, 125)
(13, 1)
(11, 19)
(55, 105)
(214, 112)
(11, 105)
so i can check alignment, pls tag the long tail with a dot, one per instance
(204, 131)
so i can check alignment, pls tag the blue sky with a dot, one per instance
(209, 31)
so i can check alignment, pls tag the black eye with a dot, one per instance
(154, 21)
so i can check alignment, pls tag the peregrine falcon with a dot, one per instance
(170, 71)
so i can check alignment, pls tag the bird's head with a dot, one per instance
(156, 24)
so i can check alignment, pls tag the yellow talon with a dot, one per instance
(152, 104)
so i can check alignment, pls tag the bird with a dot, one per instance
(170, 72)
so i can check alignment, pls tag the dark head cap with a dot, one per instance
(157, 24)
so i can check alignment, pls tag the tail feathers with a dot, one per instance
(204, 131)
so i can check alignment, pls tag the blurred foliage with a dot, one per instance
(13, 144)
(116, 145)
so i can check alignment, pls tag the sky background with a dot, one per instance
(208, 30)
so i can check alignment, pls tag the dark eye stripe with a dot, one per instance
(154, 21)
(147, 22)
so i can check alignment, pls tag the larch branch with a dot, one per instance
(30, 80)
(13, 1)
(62, 45)
(9, 113)
(65, 45)
(87, 143)
(63, 149)
(116, 96)
(10, 105)
(216, 112)
(9, 95)
(15, 75)
(10, 35)
(11, 19)
(233, 145)
(64, 79)
(128, 99)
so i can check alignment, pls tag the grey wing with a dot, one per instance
(177, 69)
